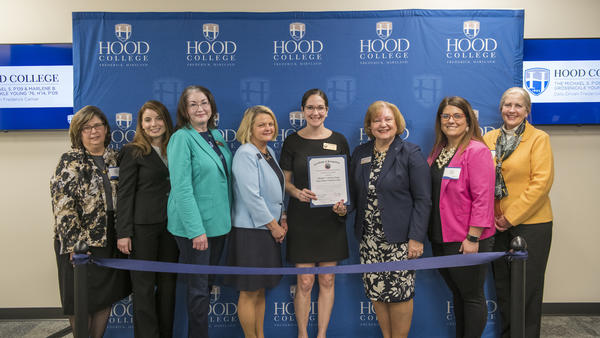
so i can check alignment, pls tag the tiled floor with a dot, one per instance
(572, 326)
(32, 328)
(552, 327)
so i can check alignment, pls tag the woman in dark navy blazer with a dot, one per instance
(390, 190)
(142, 220)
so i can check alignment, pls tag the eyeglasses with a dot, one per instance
(88, 129)
(319, 109)
(455, 116)
(195, 106)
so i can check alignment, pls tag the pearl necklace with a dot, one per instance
(445, 156)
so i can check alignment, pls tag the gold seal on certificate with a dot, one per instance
(328, 179)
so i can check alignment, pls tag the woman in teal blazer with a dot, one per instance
(200, 201)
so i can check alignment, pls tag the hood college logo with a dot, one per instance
(124, 51)
(471, 48)
(427, 89)
(210, 31)
(384, 29)
(124, 120)
(297, 51)
(297, 122)
(471, 28)
(297, 30)
(341, 91)
(209, 51)
(122, 135)
(123, 31)
(536, 80)
(384, 49)
(255, 91)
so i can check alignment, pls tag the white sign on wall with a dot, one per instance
(562, 81)
(36, 86)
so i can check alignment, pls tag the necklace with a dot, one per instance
(266, 155)
(379, 155)
(445, 156)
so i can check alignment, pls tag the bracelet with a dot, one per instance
(473, 239)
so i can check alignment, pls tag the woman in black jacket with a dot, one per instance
(142, 220)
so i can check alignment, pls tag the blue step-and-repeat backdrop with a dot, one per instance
(412, 58)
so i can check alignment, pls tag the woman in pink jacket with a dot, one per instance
(462, 213)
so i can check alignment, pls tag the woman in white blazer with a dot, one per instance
(258, 221)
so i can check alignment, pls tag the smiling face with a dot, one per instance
(153, 125)
(199, 111)
(514, 110)
(315, 111)
(383, 125)
(263, 129)
(453, 124)
(93, 134)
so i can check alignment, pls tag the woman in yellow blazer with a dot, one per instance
(524, 176)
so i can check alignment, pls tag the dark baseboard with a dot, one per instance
(549, 309)
(32, 313)
(571, 309)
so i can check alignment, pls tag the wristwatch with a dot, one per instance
(472, 238)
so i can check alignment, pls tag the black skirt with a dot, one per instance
(105, 286)
(252, 248)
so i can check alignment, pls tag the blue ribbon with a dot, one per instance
(80, 259)
(412, 264)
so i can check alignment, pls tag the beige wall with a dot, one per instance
(28, 158)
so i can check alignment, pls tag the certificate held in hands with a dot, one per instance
(328, 179)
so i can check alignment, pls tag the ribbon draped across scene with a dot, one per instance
(413, 264)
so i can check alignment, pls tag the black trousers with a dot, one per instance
(153, 293)
(538, 237)
(199, 285)
(466, 284)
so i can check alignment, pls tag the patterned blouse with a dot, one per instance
(78, 199)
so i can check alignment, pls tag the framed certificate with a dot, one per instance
(328, 179)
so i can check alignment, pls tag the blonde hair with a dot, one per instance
(519, 91)
(244, 131)
(83, 116)
(372, 112)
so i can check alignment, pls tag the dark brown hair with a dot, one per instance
(183, 118)
(472, 133)
(83, 116)
(141, 140)
(311, 92)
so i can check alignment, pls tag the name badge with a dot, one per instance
(329, 146)
(113, 173)
(365, 160)
(451, 173)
